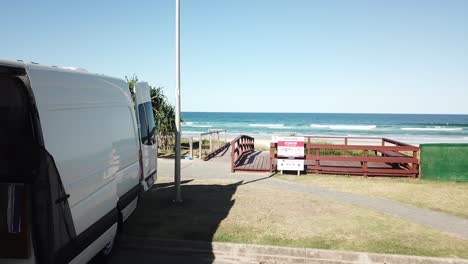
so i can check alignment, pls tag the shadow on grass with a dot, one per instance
(197, 218)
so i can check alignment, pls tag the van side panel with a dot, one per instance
(89, 130)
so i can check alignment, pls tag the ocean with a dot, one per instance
(410, 128)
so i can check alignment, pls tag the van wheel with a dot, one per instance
(108, 251)
(109, 248)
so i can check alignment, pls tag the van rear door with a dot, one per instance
(148, 138)
(16, 138)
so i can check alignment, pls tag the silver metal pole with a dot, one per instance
(178, 197)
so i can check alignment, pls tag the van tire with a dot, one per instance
(106, 254)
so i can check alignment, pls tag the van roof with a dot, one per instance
(26, 65)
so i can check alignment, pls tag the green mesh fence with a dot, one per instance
(447, 162)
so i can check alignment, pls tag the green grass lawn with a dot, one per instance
(448, 197)
(226, 211)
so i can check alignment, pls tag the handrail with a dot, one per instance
(213, 131)
(364, 147)
(392, 141)
(216, 152)
(350, 137)
(213, 135)
(239, 146)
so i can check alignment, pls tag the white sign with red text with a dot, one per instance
(291, 147)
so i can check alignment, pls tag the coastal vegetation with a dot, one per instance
(338, 152)
(164, 114)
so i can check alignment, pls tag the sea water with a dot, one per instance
(412, 128)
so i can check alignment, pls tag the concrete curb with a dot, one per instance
(247, 253)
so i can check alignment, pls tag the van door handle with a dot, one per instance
(62, 199)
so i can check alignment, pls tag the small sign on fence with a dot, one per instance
(290, 147)
(290, 164)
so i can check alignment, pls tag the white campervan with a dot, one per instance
(73, 158)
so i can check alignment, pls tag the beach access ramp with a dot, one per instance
(242, 156)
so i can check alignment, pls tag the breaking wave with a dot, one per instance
(436, 128)
(345, 127)
(267, 125)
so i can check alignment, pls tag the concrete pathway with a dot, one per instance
(195, 169)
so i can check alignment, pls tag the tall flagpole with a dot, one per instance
(178, 195)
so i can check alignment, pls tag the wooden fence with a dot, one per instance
(239, 146)
(214, 141)
(385, 158)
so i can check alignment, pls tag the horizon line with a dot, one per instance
(246, 112)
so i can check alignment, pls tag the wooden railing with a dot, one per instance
(216, 152)
(239, 146)
(213, 135)
(401, 157)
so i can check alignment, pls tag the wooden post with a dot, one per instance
(308, 155)
(317, 160)
(211, 142)
(233, 158)
(365, 163)
(345, 152)
(200, 144)
(415, 165)
(272, 155)
(191, 147)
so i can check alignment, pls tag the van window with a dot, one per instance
(147, 125)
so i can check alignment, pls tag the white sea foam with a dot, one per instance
(436, 128)
(194, 132)
(345, 127)
(190, 124)
(280, 127)
(267, 125)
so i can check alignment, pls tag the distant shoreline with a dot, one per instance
(321, 113)
(408, 128)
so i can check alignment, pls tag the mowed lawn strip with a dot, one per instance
(227, 211)
(448, 197)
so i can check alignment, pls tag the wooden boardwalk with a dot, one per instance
(254, 161)
(250, 161)
(388, 158)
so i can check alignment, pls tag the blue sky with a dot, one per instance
(344, 56)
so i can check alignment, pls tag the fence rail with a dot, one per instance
(214, 141)
(239, 147)
(389, 158)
